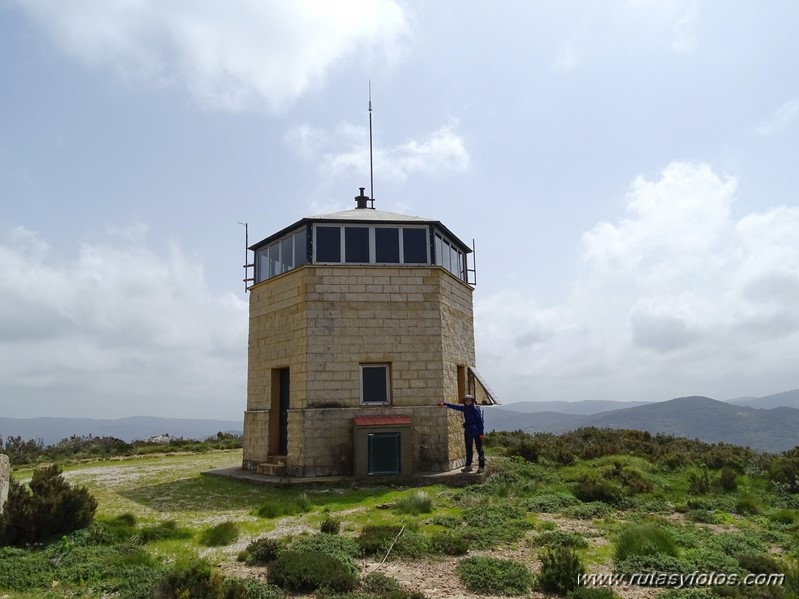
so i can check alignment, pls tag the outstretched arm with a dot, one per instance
(452, 406)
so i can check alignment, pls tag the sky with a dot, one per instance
(627, 169)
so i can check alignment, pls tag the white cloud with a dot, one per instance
(684, 30)
(346, 151)
(780, 119)
(236, 55)
(567, 59)
(677, 297)
(118, 330)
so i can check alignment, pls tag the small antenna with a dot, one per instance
(371, 168)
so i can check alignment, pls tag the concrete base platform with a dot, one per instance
(453, 478)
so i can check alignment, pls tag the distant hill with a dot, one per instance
(787, 399)
(589, 406)
(52, 430)
(773, 430)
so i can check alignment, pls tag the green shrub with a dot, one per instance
(589, 490)
(784, 474)
(703, 516)
(260, 552)
(419, 502)
(412, 545)
(249, 588)
(330, 525)
(560, 569)
(342, 548)
(552, 502)
(747, 505)
(445, 521)
(759, 563)
(449, 544)
(560, 538)
(727, 480)
(644, 539)
(588, 511)
(698, 484)
(48, 507)
(193, 579)
(783, 516)
(220, 534)
(167, 529)
(378, 583)
(375, 540)
(659, 562)
(22, 570)
(306, 571)
(491, 575)
(488, 525)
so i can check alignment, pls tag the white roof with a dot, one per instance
(372, 215)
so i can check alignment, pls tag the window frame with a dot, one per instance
(386, 366)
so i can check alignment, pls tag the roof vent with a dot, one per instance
(361, 199)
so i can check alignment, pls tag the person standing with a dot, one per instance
(472, 431)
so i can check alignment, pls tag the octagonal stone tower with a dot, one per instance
(360, 323)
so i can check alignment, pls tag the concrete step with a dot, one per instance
(271, 469)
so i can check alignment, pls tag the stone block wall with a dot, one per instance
(323, 322)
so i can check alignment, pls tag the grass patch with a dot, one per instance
(220, 535)
(418, 502)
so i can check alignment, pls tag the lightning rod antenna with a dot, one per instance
(371, 168)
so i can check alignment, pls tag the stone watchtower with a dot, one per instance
(360, 322)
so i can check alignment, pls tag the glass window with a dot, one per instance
(439, 250)
(263, 265)
(375, 384)
(274, 259)
(454, 260)
(356, 244)
(387, 245)
(300, 248)
(414, 246)
(384, 453)
(287, 253)
(446, 256)
(328, 244)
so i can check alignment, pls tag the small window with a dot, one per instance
(263, 265)
(387, 245)
(274, 259)
(439, 250)
(375, 384)
(414, 246)
(356, 244)
(328, 244)
(287, 252)
(300, 248)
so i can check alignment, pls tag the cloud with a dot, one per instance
(676, 297)
(684, 30)
(780, 119)
(567, 59)
(233, 56)
(118, 330)
(346, 150)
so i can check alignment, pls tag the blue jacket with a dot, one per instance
(472, 416)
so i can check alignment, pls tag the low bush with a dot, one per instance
(306, 571)
(330, 525)
(418, 502)
(727, 480)
(260, 552)
(658, 562)
(698, 484)
(589, 511)
(193, 579)
(249, 588)
(411, 545)
(560, 538)
(759, 563)
(488, 525)
(644, 539)
(378, 583)
(449, 544)
(49, 506)
(494, 576)
(375, 540)
(560, 569)
(746, 505)
(445, 521)
(342, 548)
(783, 516)
(552, 502)
(220, 535)
(167, 529)
(589, 490)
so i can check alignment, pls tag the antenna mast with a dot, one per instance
(371, 168)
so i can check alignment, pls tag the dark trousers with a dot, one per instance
(478, 442)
